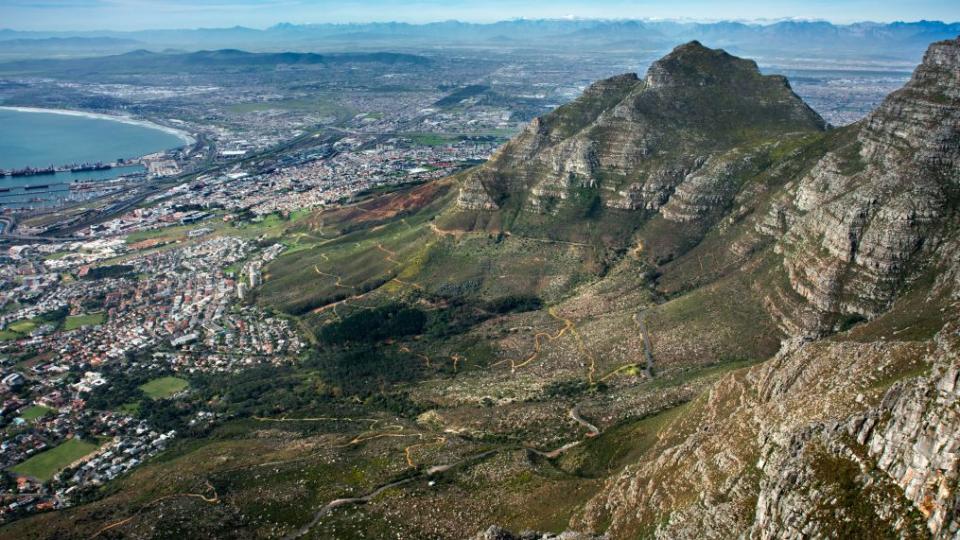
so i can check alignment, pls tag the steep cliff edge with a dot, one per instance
(855, 435)
(825, 439)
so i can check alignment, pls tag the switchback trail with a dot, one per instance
(592, 430)
(538, 339)
(338, 283)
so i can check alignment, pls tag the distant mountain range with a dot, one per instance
(218, 60)
(898, 40)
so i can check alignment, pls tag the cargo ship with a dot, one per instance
(33, 172)
(86, 167)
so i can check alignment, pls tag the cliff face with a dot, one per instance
(639, 141)
(866, 219)
(705, 137)
(843, 433)
(856, 435)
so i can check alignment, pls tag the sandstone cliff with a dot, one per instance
(869, 217)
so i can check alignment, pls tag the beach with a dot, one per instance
(186, 137)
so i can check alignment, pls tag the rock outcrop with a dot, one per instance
(855, 436)
(825, 440)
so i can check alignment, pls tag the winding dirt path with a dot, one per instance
(592, 431)
(364, 499)
(207, 499)
(456, 233)
(439, 441)
(338, 282)
(538, 340)
(540, 337)
(425, 358)
(389, 255)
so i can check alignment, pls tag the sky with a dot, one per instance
(153, 14)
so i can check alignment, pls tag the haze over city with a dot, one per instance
(140, 14)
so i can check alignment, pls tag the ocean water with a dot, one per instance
(34, 139)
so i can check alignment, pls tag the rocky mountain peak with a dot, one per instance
(637, 141)
(692, 64)
(612, 84)
(944, 55)
(874, 211)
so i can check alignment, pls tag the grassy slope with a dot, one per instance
(34, 412)
(705, 318)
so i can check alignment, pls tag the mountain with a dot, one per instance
(83, 43)
(217, 60)
(11, 49)
(636, 142)
(854, 435)
(897, 41)
(680, 306)
(753, 220)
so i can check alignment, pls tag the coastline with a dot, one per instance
(182, 135)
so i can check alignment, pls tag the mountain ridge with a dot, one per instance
(903, 40)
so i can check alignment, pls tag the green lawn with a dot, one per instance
(18, 329)
(46, 464)
(32, 413)
(163, 387)
(89, 319)
(22, 327)
(132, 408)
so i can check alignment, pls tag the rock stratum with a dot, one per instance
(705, 137)
(843, 433)
(664, 141)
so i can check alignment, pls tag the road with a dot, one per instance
(640, 319)
(592, 431)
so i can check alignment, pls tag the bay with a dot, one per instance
(44, 139)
